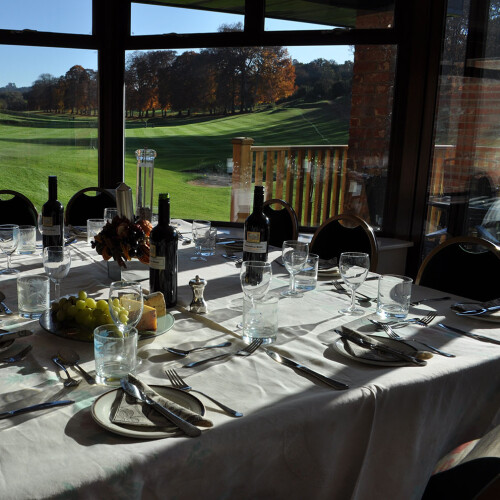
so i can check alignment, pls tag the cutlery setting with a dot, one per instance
(246, 351)
(183, 353)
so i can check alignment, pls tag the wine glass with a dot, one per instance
(56, 262)
(125, 304)
(353, 267)
(255, 278)
(200, 230)
(109, 214)
(294, 255)
(9, 239)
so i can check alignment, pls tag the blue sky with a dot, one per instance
(23, 65)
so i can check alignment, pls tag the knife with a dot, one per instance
(293, 364)
(5, 308)
(4, 334)
(367, 343)
(134, 391)
(41, 406)
(476, 336)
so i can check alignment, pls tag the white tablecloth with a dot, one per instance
(298, 438)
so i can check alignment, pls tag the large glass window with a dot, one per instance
(465, 178)
(48, 120)
(58, 16)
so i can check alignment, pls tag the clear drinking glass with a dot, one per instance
(125, 304)
(353, 267)
(9, 239)
(294, 255)
(57, 263)
(255, 277)
(110, 214)
(201, 231)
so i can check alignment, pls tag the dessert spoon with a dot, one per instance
(71, 358)
(181, 352)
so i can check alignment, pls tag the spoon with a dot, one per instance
(181, 352)
(2, 303)
(71, 358)
(69, 382)
(473, 309)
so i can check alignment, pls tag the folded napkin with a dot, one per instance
(130, 411)
(466, 306)
(362, 327)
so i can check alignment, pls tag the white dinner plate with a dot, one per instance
(338, 345)
(101, 413)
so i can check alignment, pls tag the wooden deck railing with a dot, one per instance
(313, 179)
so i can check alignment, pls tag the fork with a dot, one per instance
(424, 321)
(246, 351)
(17, 357)
(177, 381)
(69, 382)
(393, 335)
(341, 289)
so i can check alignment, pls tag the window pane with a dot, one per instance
(48, 120)
(159, 19)
(465, 178)
(316, 132)
(58, 16)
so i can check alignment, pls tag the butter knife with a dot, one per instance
(476, 336)
(293, 364)
(364, 341)
(19, 333)
(41, 406)
(134, 391)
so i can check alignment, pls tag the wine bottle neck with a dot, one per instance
(258, 200)
(164, 211)
(52, 188)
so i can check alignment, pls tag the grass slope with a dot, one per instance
(35, 145)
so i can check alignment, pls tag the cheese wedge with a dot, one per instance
(148, 319)
(156, 300)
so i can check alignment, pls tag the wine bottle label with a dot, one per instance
(47, 221)
(253, 237)
(260, 247)
(157, 263)
(48, 227)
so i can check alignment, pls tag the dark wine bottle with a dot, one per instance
(53, 217)
(256, 242)
(163, 254)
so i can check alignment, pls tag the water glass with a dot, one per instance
(33, 295)
(110, 214)
(260, 319)
(94, 226)
(394, 295)
(115, 354)
(27, 240)
(207, 244)
(200, 230)
(307, 278)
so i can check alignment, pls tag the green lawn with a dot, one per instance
(35, 145)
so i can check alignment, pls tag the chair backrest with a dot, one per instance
(17, 209)
(81, 206)
(283, 222)
(465, 265)
(345, 233)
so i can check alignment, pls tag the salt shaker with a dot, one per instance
(198, 304)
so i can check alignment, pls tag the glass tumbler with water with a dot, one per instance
(33, 295)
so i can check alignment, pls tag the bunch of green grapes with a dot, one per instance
(83, 310)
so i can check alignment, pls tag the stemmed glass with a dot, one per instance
(125, 304)
(9, 239)
(255, 279)
(294, 255)
(200, 230)
(353, 267)
(56, 262)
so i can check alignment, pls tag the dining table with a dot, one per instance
(380, 438)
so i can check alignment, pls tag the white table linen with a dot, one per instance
(298, 437)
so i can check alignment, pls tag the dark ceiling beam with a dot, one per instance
(35, 38)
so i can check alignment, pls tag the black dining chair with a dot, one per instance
(465, 265)
(470, 471)
(83, 206)
(345, 233)
(283, 224)
(15, 208)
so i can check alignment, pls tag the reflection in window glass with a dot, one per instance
(48, 120)
(58, 16)
(159, 19)
(223, 120)
(465, 177)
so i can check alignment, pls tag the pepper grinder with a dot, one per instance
(198, 304)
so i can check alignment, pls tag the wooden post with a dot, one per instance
(241, 192)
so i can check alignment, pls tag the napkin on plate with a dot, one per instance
(129, 411)
(363, 326)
